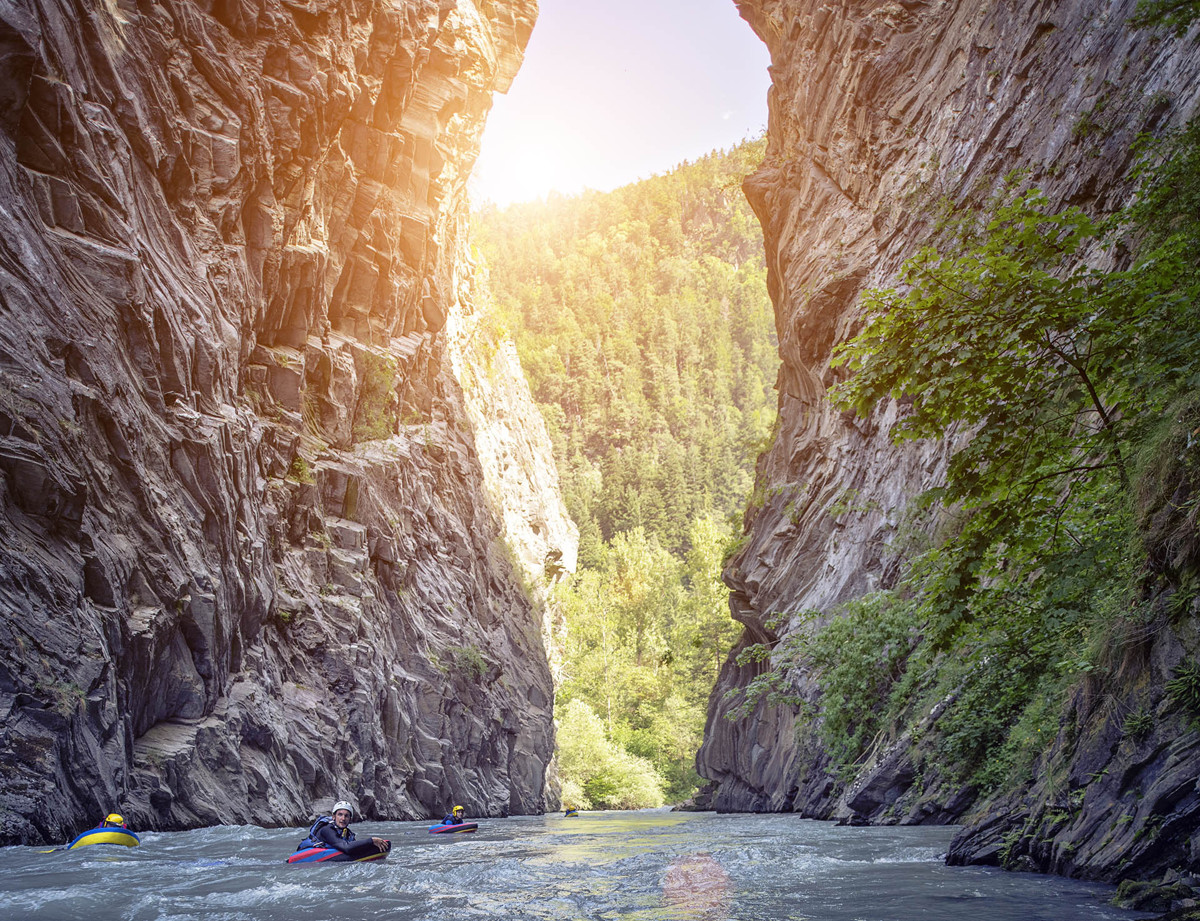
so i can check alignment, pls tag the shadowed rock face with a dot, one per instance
(875, 105)
(248, 562)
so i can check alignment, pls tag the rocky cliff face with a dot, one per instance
(250, 562)
(514, 449)
(871, 102)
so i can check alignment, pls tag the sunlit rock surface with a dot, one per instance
(872, 103)
(250, 563)
(513, 447)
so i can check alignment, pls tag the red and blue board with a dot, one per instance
(460, 828)
(332, 855)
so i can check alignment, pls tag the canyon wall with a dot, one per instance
(251, 561)
(875, 104)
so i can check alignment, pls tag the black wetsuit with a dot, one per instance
(327, 835)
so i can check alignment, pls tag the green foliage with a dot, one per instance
(1167, 210)
(1049, 363)
(1183, 690)
(1139, 724)
(1167, 500)
(1176, 15)
(66, 699)
(376, 411)
(615, 640)
(1089, 123)
(646, 635)
(1002, 717)
(858, 656)
(599, 774)
(466, 662)
(642, 321)
(1014, 317)
(300, 471)
(862, 653)
(1073, 387)
(669, 742)
(771, 687)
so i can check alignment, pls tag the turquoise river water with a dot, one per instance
(615, 866)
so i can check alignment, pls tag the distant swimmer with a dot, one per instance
(457, 816)
(111, 830)
(454, 824)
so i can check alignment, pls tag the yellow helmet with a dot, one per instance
(113, 819)
(457, 809)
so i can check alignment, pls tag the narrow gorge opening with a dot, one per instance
(633, 286)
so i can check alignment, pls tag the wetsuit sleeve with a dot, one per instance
(328, 836)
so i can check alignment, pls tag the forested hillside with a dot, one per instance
(642, 320)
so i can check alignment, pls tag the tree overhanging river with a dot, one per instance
(631, 866)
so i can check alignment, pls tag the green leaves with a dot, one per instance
(598, 774)
(1176, 15)
(857, 656)
(1049, 363)
(645, 635)
(973, 335)
(1049, 373)
(644, 326)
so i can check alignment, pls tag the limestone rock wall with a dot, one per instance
(514, 449)
(249, 562)
(874, 103)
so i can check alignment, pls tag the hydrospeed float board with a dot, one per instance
(453, 829)
(111, 835)
(361, 851)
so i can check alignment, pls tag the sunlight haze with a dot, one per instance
(613, 91)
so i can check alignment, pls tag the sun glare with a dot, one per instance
(613, 91)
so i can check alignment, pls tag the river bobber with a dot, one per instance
(121, 836)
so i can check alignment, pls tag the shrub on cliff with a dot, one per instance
(1060, 375)
(1174, 14)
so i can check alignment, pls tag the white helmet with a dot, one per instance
(339, 806)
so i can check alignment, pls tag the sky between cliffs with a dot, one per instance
(613, 91)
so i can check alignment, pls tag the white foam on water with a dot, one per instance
(610, 867)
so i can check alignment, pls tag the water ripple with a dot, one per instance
(644, 866)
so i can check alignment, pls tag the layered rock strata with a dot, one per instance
(874, 107)
(250, 562)
(513, 446)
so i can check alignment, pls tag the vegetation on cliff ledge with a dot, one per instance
(644, 326)
(1064, 537)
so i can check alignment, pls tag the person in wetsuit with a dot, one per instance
(456, 817)
(334, 832)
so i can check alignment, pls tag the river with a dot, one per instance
(615, 866)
